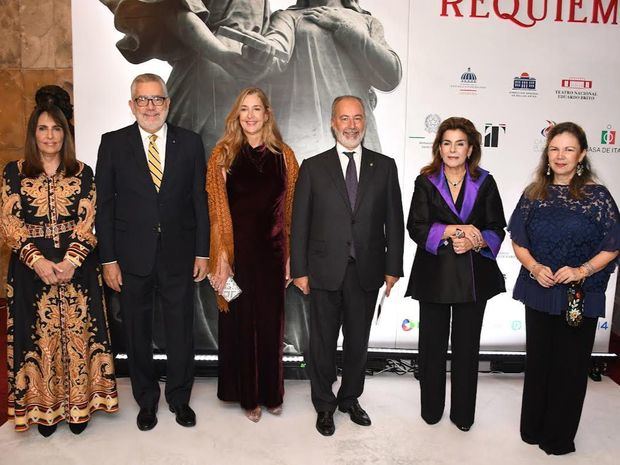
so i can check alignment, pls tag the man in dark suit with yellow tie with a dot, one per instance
(153, 228)
(347, 239)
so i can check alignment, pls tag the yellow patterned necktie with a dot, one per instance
(154, 162)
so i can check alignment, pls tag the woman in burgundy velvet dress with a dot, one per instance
(250, 182)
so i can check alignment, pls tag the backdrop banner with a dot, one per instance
(515, 68)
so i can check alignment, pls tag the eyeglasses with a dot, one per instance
(143, 100)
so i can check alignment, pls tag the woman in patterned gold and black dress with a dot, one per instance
(60, 363)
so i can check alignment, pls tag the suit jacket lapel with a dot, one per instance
(143, 175)
(367, 170)
(171, 155)
(471, 193)
(439, 181)
(334, 168)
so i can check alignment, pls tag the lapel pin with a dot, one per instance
(371, 164)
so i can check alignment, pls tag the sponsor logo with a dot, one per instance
(468, 83)
(608, 136)
(516, 325)
(607, 144)
(528, 14)
(524, 86)
(432, 122)
(576, 88)
(545, 131)
(408, 325)
(492, 133)
(539, 143)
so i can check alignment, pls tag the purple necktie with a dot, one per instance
(350, 180)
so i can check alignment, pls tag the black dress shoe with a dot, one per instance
(184, 415)
(325, 423)
(46, 430)
(77, 428)
(357, 414)
(147, 418)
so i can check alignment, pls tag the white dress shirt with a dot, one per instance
(160, 143)
(344, 160)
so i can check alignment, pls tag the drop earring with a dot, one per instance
(579, 169)
(548, 170)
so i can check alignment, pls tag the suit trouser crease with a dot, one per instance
(137, 300)
(556, 377)
(464, 332)
(351, 307)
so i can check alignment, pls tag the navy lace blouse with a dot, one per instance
(561, 231)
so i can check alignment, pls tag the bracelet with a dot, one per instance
(589, 268)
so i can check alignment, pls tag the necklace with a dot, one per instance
(454, 184)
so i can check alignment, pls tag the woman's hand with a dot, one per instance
(222, 273)
(566, 275)
(462, 245)
(472, 233)
(45, 270)
(64, 271)
(543, 275)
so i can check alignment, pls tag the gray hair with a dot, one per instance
(148, 77)
(344, 97)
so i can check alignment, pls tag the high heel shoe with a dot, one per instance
(275, 410)
(46, 430)
(254, 415)
(77, 428)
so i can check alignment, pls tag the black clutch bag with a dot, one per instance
(574, 313)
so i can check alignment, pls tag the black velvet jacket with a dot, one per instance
(439, 275)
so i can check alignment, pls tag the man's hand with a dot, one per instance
(389, 283)
(45, 269)
(64, 271)
(303, 284)
(200, 269)
(112, 276)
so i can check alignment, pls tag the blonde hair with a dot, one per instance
(234, 138)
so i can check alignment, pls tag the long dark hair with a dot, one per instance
(473, 139)
(538, 188)
(33, 166)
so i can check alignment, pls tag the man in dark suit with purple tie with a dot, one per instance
(347, 239)
(153, 229)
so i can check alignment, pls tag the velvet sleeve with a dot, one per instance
(422, 230)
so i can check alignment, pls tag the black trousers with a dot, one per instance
(556, 377)
(433, 346)
(352, 308)
(136, 298)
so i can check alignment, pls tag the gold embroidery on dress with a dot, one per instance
(86, 211)
(67, 376)
(13, 229)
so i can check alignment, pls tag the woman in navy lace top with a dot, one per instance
(565, 229)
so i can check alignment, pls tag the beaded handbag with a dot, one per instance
(574, 313)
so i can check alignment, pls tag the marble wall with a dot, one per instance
(35, 50)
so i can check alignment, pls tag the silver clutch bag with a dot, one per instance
(231, 290)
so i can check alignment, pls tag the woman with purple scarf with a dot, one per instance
(457, 221)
